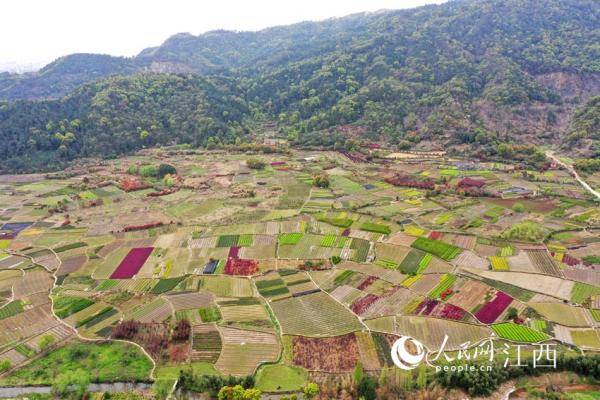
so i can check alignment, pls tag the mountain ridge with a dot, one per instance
(467, 75)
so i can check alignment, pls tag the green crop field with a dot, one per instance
(10, 309)
(245, 240)
(518, 333)
(424, 263)
(209, 314)
(361, 247)
(328, 241)
(581, 292)
(65, 306)
(410, 264)
(377, 228)
(228, 240)
(438, 248)
(289, 238)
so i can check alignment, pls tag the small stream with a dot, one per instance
(14, 391)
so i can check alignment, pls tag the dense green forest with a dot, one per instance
(480, 75)
(119, 115)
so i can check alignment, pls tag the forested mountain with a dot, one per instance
(118, 115)
(62, 76)
(466, 75)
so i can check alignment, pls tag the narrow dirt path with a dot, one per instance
(573, 173)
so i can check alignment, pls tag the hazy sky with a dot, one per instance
(35, 31)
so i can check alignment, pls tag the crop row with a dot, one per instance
(438, 248)
(518, 333)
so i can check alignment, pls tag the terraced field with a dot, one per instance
(314, 315)
(236, 268)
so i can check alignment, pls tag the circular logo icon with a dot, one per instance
(406, 357)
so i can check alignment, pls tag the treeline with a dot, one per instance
(484, 383)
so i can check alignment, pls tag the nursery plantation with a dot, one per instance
(174, 265)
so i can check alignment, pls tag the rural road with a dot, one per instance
(573, 173)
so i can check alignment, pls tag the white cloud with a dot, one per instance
(42, 30)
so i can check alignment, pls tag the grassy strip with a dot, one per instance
(377, 228)
(102, 362)
(70, 246)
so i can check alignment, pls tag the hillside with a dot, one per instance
(116, 116)
(465, 75)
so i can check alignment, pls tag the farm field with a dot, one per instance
(246, 272)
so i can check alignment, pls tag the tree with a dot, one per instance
(512, 313)
(358, 372)
(310, 391)
(255, 163)
(321, 180)
(367, 388)
(238, 393)
(45, 342)
(168, 181)
(182, 330)
(166, 169)
(529, 231)
(518, 207)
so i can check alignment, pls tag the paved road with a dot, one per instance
(574, 173)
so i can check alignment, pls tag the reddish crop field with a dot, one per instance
(132, 263)
(492, 310)
(570, 260)
(450, 311)
(426, 307)
(234, 252)
(361, 305)
(239, 266)
(367, 282)
(333, 354)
